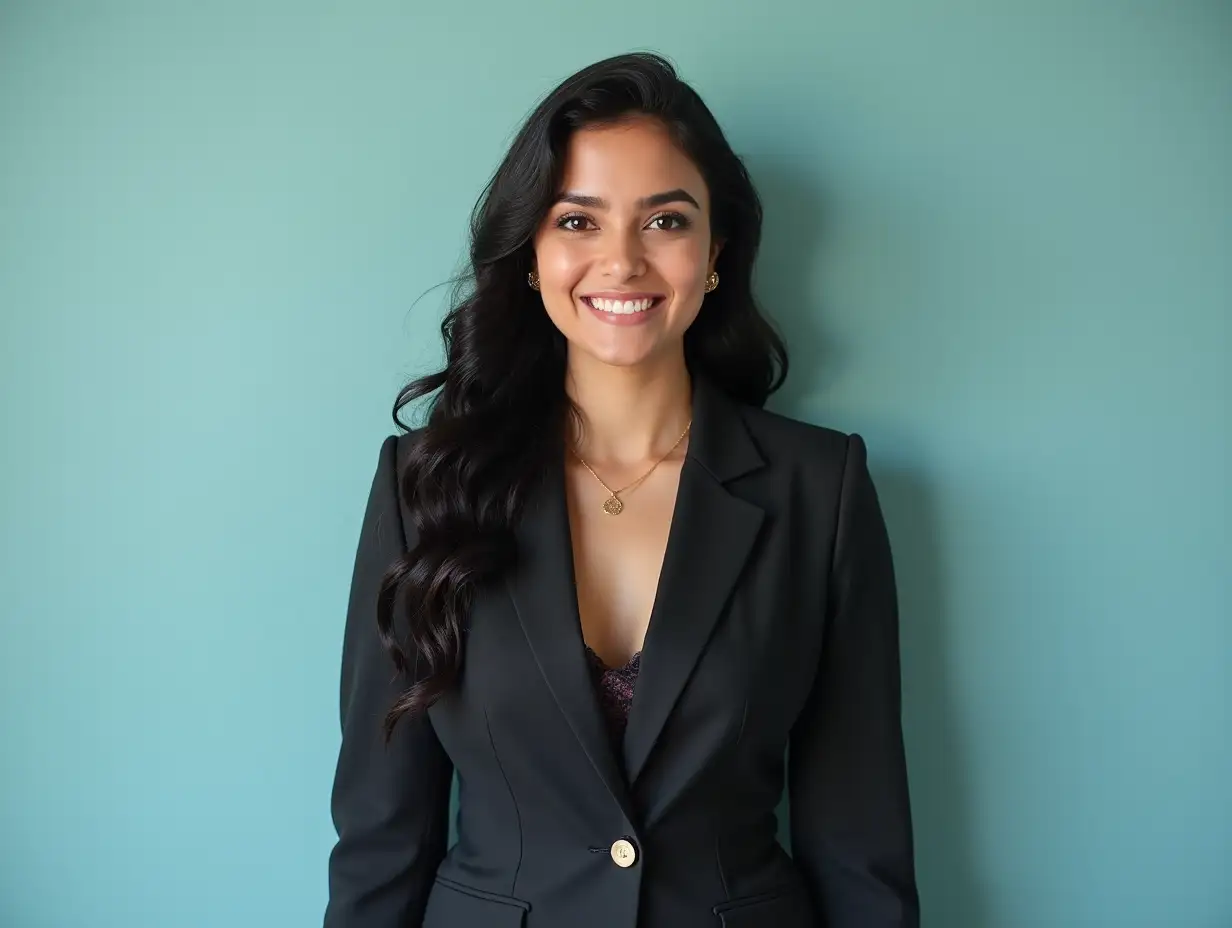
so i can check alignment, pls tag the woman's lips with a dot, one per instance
(624, 311)
(627, 309)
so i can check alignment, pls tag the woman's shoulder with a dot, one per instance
(792, 439)
(405, 439)
(398, 445)
(391, 459)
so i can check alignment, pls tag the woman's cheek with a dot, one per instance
(561, 260)
(685, 260)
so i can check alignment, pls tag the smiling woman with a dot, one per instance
(623, 601)
(609, 255)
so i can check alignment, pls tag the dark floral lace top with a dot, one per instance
(614, 687)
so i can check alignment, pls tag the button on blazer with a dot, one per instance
(771, 661)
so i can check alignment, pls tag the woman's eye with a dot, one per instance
(670, 222)
(572, 223)
(667, 222)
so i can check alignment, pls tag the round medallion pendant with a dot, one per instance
(613, 506)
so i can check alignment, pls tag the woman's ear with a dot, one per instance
(716, 245)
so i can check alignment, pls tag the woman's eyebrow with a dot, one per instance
(678, 195)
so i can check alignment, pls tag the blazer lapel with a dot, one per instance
(543, 589)
(711, 536)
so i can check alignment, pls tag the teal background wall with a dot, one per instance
(999, 238)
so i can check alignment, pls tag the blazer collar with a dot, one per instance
(711, 535)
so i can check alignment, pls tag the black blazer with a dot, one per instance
(774, 631)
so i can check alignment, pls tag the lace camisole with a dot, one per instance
(614, 687)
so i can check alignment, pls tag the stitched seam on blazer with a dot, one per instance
(440, 798)
(513, 890)
(718, 839)
(426, 836)
(839, 507)
(840, 514)
(718, 862)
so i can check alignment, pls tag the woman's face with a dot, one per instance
(623, 255)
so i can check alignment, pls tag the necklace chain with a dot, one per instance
(614, 505)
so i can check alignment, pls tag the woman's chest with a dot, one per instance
(617, 560)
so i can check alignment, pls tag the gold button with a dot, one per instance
(624, 853)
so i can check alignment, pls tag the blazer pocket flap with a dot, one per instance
(453, 905)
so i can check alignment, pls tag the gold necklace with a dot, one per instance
(613, 505)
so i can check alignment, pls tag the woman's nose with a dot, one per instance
(625, 256)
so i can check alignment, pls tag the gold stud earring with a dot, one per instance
(712, 281)
(533, 279)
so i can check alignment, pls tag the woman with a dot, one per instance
(607, 587)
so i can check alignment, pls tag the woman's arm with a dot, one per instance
(847, 774)
(390, 802)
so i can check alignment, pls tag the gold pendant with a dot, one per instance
(613, 506)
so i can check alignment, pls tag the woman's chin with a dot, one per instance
(627, 351)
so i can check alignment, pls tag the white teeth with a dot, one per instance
(620, 307)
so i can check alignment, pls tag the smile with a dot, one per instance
(622, 307)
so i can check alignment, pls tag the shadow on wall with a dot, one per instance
(947, 871)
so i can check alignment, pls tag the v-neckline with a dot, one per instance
(608, 668)
(713, 530)
(673, 528)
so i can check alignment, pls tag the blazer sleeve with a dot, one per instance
(850, 813)
(389, 802)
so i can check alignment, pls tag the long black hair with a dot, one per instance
(501, 411)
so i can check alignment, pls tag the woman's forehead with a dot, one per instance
(627, 162)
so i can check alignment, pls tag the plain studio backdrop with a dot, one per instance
(998, 239)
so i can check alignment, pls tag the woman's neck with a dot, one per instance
(630, 414)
